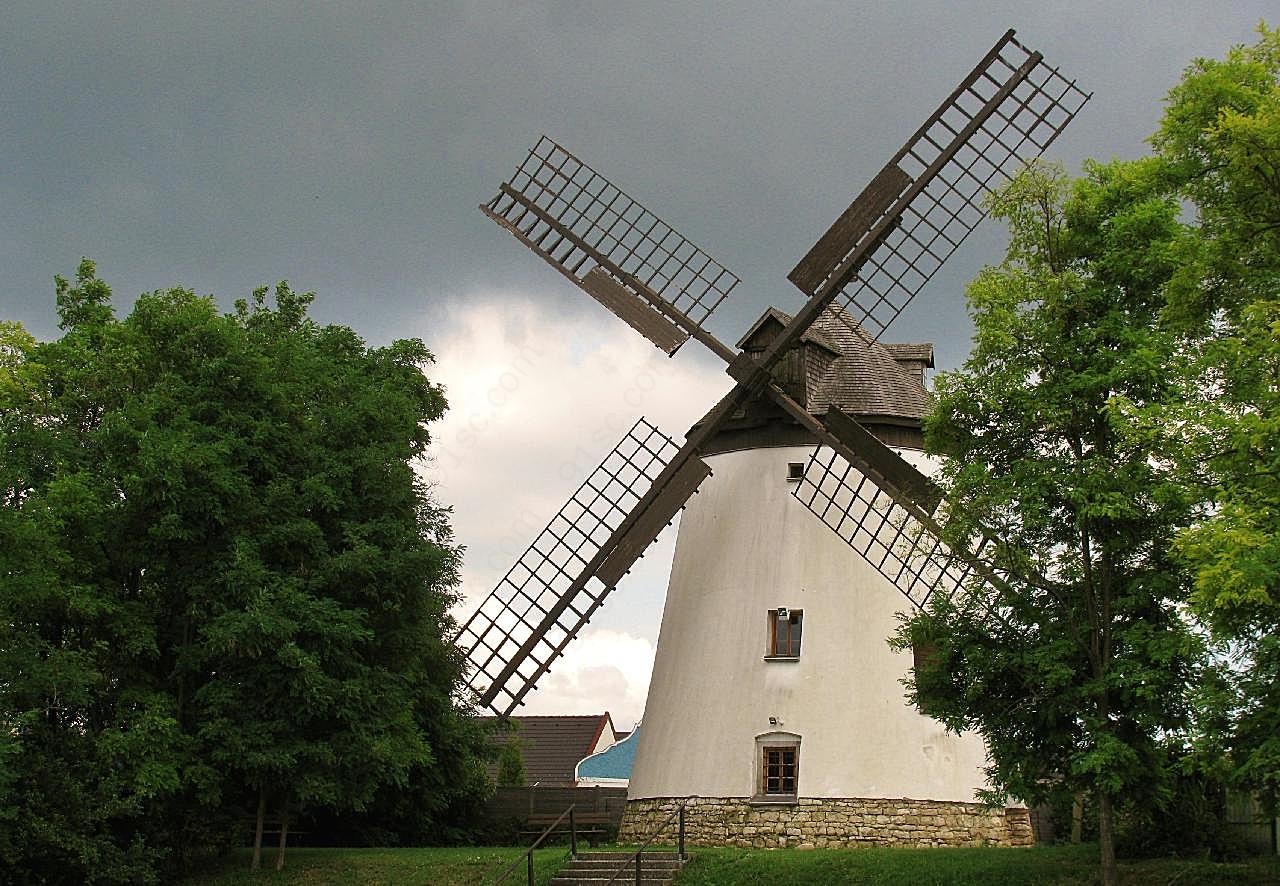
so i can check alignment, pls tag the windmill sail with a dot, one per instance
(617, 251)
(873, 261)
(900, 540)
(875, 258)
(564, 576)
(917, 211)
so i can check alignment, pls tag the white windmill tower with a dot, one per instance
(776, 709)
(775, 712)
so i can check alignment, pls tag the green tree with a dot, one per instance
(511, 764)
(223, 581)
(90, 742)
(1219, 142)
(1074, 668)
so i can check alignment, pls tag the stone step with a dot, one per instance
(586, 870)
(587, 861)
(598, 868)
(645, 880)
(625, 876)
(607, 855)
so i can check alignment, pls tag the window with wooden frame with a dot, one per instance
(781, 770)
(785, 627)
(777, 776)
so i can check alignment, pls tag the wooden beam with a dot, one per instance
(893, 468)
(847, 230)
(653, 519)
(633, 310)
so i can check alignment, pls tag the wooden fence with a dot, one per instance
(1244, 817)
(538, 800)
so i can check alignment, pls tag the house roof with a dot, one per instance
(867, 378)
(552, 746)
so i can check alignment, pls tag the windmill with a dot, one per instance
(859, 276)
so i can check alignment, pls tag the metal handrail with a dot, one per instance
(679, 810)
(528, 854)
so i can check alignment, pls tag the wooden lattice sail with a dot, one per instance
(865, 270)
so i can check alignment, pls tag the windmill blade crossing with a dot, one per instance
(871, 263)
(558, 583)
(917, 211)
(614, 249)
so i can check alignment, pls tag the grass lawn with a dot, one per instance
(1040, 866)
(385, 867)
(933, 867)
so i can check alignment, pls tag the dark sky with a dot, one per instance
(344, 146)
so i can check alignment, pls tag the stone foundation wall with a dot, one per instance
(830, 822)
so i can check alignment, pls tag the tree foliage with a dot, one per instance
(1220, 146)
(1117, 429)
(222, 579)
(511, 764)
(1073, 668)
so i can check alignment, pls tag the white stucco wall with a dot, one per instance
(745, 547)
(606, 739)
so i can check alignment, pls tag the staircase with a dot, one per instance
(597, 868)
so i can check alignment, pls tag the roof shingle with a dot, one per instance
(867, 378)
(552, 746)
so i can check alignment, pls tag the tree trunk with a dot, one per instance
(284, 832)
(257, 832)
(1077, 817)
(182, 674)
(1106, 840)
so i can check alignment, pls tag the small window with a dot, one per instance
(781, 768)
(777, 769)
(785, 626)
(795, 471)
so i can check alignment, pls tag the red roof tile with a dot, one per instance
(552, 745)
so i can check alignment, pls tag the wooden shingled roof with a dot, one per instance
(867, 378)
(813, 334)
(870, 378)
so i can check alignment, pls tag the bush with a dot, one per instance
(1187, 821)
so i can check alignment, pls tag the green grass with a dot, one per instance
(466, 866)
(1041, 866)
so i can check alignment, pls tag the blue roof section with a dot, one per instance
(612, 762)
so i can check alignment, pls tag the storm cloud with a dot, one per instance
(345, 147)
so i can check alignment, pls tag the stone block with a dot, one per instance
(843, 821)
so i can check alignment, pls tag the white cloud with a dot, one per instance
(600, 671)
(536, 401)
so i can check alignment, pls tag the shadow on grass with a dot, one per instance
(451, 866)
(474, 866)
